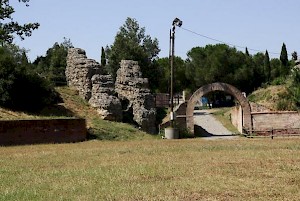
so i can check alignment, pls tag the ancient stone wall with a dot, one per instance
(133, 89)
(79, 71)
(106, 96)
(87, 77)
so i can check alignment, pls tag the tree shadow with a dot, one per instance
(201, 132)
(56, 111)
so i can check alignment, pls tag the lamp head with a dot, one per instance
(177, 22)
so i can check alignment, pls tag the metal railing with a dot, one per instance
(273, 132)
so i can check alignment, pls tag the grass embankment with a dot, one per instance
(276, 98)
(74, 106)
(192, 169)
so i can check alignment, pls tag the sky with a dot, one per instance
(90, 24)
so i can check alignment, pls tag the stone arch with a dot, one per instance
(218, 86)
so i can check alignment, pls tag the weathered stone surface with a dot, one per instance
(132, 87)
(104, 99)
(80, 70)
(86, 76)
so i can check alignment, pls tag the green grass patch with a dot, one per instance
(105, 130)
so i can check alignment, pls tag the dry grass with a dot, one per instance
(269, 97)
(193, 169)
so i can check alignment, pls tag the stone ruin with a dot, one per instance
(135, 95)
(129, 97)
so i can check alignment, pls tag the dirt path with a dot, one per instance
(207, 126)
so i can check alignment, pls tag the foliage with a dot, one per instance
(267, 66)
(103, 57)
(9, 27)
(219, 63)
(295, 87)
(180, 81)
(131, 43)
(275, 68)
(295, 56)
(247, 52)
(284, 60)
(284, 56)
(21, 89)
(53, 65)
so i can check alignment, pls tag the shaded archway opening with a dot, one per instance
(229, 89)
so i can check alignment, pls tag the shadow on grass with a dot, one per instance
(56, 111)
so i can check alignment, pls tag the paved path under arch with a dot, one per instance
(209, 127)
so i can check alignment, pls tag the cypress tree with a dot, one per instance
(247, 52)
(284, 60)
(295, 56)
(267, 66)
(284, 56)
(103, 57)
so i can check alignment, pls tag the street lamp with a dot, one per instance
(176, 22)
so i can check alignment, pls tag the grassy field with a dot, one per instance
(190, 169)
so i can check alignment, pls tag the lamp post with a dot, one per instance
(176, 22)
(172, 132)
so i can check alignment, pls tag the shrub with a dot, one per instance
(21, 89)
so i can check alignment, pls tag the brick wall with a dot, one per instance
(268, 122)
(275, 120)
(19, 132)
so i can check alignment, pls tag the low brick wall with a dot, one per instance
(18, 132)
(275, 120)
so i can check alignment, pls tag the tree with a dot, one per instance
(247, 52)
(215, 63)
(131, 43)
(103, 57)
(284, 60)
(267, 66)
(275, 68)
(295, 56)
(53, 65)
(9, 27)
(20, 88)
(180, 81)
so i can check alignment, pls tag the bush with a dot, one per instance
(21, 89)
(279, 81)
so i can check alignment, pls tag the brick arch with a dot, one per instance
(218, 86)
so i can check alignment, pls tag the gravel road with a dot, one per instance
(207, 126)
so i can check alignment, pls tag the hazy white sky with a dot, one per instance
(90, 24)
